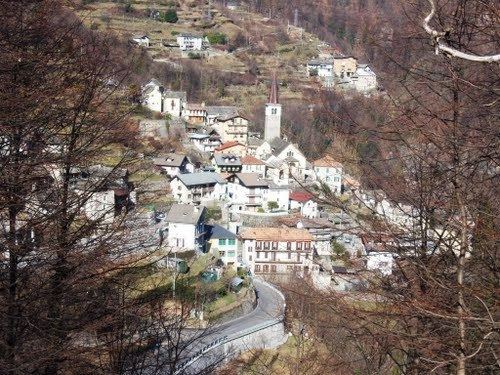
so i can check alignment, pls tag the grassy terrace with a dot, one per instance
(215, 296)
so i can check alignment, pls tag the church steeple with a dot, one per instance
(273, 94)
(272, 124)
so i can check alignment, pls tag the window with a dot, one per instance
(274, 111)
(307, 245)
(289, 268)
(266, 255)
(299, 245)
(258, 254)
(289, 255)
(172, 104)
(222, 241)
(266, 245)
(231, 254)
(289, 246)
(289, 153)
(275, 246)
(222, 253)
(231, 241)
(266, 268)
(258, 245)
(273, 268)
(257, 268)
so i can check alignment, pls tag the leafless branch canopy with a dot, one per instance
(442, 46)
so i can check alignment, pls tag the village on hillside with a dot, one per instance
(253, 201)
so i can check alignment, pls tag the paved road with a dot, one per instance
(270, 306)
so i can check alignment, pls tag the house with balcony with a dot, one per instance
(247, 191)
(186, 228)
(322, 231)
(194, 113)
(205, 142)
(195, 188)
(277, 250)
(226, 163)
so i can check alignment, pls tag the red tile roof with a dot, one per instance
(227, 145)
(327, 161)
(300, 196)
(251, 160)
(276, 234)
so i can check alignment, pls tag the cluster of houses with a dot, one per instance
(343, 72)
(247, 174)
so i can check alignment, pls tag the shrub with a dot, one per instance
(272, 205)
(286, 49)
(174, 32)
(313, 72)
(194, 55)
(216, 38)
(169, 16)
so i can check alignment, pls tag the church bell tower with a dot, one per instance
(272, 123)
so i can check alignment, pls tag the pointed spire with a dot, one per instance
(273, 94)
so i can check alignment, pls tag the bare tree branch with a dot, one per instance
(443, 47)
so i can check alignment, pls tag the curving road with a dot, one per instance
(270, 308)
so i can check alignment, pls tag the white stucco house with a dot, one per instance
(174, 164)
(322, 68)
(195, 188)
(304, 202)
(247, 190)
(190, 42)
(186, 228)
(277, 193)
(329, 171)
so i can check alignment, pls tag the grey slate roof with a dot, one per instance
(175, 95)
(185, 214)
(221, 110)
(198, 136)
(201, 178)
(320, 62)
(216, 231)
(252, 180)
(255, 142)
(227, 160)
(278, 145)
(170, 160)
